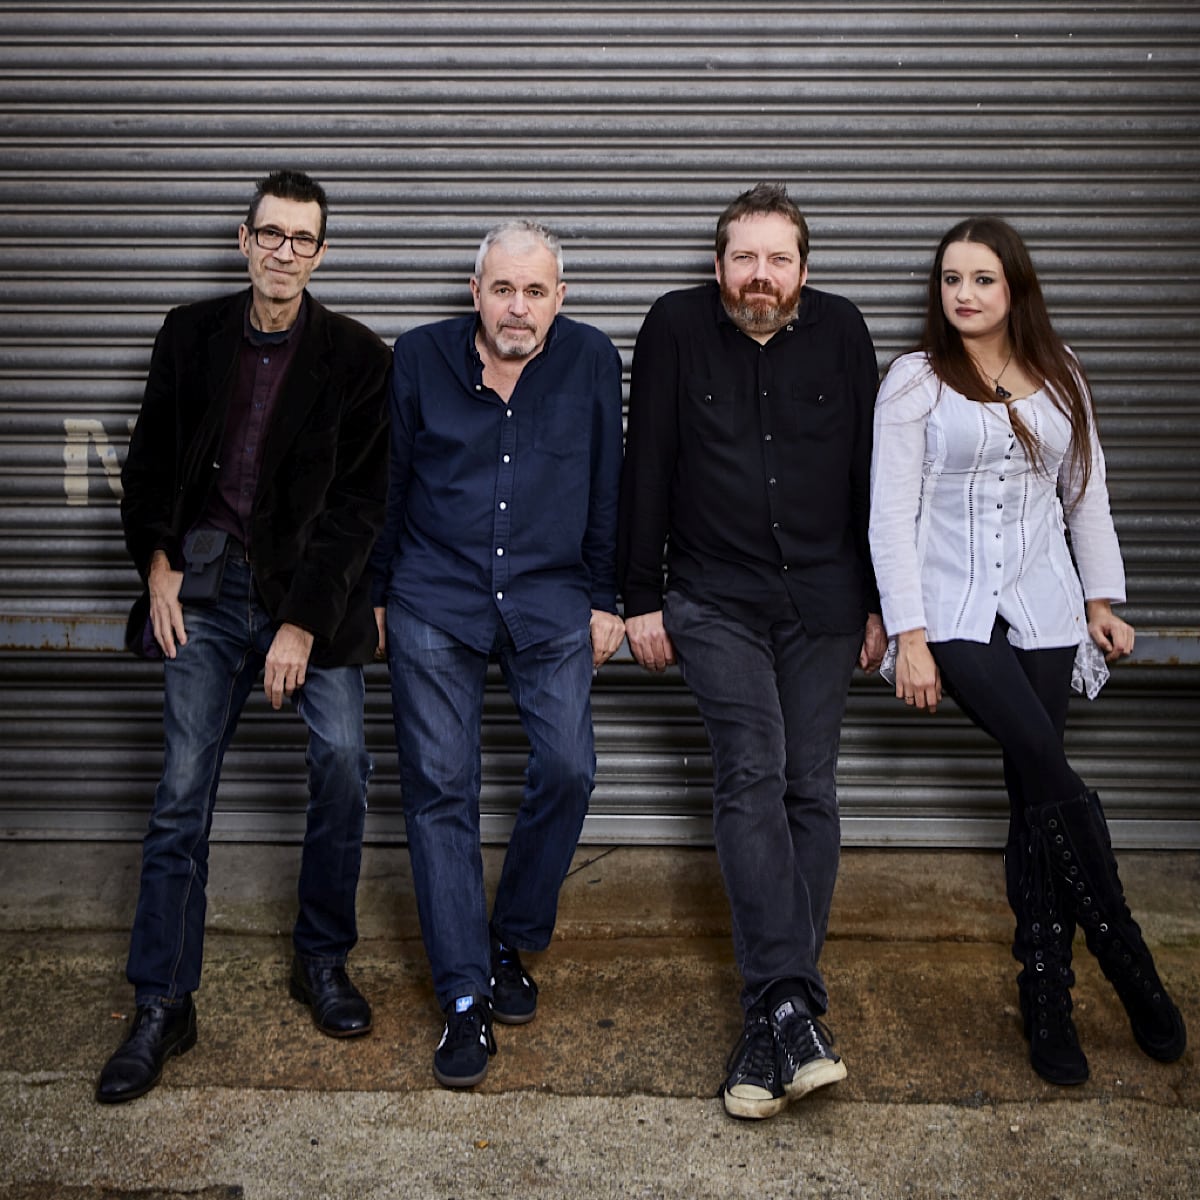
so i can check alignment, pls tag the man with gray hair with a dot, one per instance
(500, 543)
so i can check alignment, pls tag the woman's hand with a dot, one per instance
(918, 681)
(1108, 631)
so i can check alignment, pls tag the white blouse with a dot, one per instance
(965, 527)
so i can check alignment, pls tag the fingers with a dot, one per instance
(607, 633)
(655, 653)
(381, 632)
(287, 663)
(922, 696)
(166, 619)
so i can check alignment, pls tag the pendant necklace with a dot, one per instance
(1002, 393)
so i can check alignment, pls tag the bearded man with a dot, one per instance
(748, 458)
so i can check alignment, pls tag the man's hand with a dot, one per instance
(608, 632)
(1108, 631)
(287, 661)
(381, 627)
(874, 644)
(166, 613)
(648, 641)
(918, 681)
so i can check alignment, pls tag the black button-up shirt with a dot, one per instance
(502, 512)
(751, 463)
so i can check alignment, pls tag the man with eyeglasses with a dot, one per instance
(254, 487)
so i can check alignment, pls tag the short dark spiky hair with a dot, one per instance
(290, 185)
(763, 199)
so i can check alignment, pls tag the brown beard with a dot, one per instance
(755, 316)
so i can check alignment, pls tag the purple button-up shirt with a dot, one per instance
(262, 368)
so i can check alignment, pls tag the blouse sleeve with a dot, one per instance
(1093, 538)
(902, 409)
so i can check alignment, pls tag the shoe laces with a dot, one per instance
(804, 1037)
(754, 1055)
(467, 1029)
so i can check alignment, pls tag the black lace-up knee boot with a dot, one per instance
(1075, 836)
(1042, 945)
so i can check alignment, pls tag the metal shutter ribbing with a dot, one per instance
(129, 138)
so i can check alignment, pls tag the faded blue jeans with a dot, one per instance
(772, 704)
(204, 690)
(437, 700)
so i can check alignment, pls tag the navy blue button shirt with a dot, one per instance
(502, 512)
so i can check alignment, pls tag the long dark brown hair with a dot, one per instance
(1037, 349)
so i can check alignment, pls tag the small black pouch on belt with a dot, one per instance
(203, 566)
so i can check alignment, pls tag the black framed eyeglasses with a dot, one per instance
(304, 245)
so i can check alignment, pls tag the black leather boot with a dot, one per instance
(1075, 835)
(1042, 945)
(339, 1009)
(137, 1064)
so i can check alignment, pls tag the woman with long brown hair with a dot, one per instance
(985, 450)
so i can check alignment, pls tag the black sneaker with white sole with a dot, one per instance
(806, 1061)
(461, 1058)
(514, 994)
(753, 1088)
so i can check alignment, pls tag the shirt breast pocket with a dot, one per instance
(711, 409)
(815, 411)
(562, 425)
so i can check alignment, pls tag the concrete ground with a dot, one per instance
(611, 1092)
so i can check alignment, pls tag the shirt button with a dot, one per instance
(767, 438)
(505, 458)
(479, 387)
(504, 506)
(266, 362)
(785, 566)
(774, 524)
(771, 481)
(507, 413)
(499, 551)
(995, 593)
(999, 564)
(1001, 478)
(999, 505)
(499, 595)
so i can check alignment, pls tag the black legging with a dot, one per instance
(1018, 697)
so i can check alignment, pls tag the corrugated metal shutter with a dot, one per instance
(130, 136)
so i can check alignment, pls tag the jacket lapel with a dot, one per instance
(217, 369)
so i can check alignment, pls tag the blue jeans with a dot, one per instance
(772, 703)
(437, 700)
(204, 689)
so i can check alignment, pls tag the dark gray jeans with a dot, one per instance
(772, 705)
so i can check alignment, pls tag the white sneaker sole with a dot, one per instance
(817, 1074)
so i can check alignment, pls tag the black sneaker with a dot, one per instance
(806, 1061)
(461, 1058)
(752, 1087)
(514, 994)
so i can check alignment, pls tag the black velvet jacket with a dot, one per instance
(323, 484)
